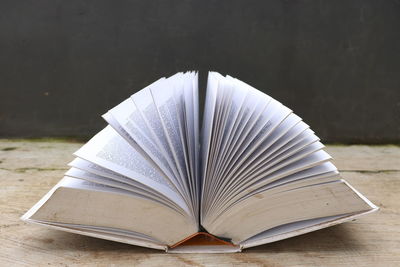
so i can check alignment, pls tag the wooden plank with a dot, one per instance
(365, 158)
(29, 169)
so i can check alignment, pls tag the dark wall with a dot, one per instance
(335, 63)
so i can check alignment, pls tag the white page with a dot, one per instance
(326, 169)
(210, 113)
(255, 103)
(274, 114)
(95, 178)
(253, 107)
(109, 150)
(122, 131)
(91, 167)
(259, 214)
(267, 236)
(303, 150)
(285, 133)
(190, 124)
(294, 185)
(326, 172)
(121, 119)
(224, 101)
(168, 99)
(151, 121)
(258, 135)
(145, 104)
(129, 183)
(268, 170)
(168, 109)
(128, 118)
(253, 184)
(242, 119)
(267, 161)
(239, 113)
(185, 105)
(291, 147)
(223, 105)
(239, 95)
(253, 156)
(289, 139)
(164, 100)
(259, 127)
(232, 99)
(251, 172)
(224, 117)
(103, 206)
(137, 192)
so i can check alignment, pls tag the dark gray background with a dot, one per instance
(335, 63)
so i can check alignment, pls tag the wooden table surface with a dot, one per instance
(29, 169)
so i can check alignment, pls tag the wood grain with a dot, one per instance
(29, 169)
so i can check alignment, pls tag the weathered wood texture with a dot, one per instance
(29, 169)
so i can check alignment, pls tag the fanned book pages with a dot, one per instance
(254, 173)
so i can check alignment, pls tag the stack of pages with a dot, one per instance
(255, 173)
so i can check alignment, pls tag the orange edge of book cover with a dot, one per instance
(202, 239)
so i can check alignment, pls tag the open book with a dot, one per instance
(255, 173)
